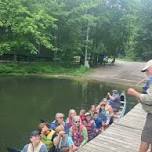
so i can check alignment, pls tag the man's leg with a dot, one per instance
(143, 147)
(146, 136)
(151, 147)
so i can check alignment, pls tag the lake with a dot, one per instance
(26, 100)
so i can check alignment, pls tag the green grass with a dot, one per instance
(40, 68)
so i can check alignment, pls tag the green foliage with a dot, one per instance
(23, 28)
(61, 26)
(143, 48)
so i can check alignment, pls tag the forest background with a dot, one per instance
(67, 31)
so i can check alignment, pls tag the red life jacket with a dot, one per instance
(77, 135)
(82, 117)
(90, 129)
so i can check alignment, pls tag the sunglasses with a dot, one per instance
(77, 121)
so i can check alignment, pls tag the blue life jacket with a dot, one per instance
(103, 115)
(53, 125)
(147, 85)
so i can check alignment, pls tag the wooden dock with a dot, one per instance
(123, 136)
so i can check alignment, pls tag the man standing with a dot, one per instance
(146, 100)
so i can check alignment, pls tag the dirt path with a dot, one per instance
(123, 72)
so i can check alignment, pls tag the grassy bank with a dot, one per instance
(40, 68)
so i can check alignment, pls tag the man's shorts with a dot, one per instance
(146, 135)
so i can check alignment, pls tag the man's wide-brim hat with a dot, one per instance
(147, 65)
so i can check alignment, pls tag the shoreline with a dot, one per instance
(122, 73)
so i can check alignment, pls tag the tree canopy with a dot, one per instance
(66, 27)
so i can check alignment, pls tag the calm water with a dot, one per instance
(24, 101)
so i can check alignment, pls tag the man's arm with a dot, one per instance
(144, 98)
(134, 93)
(110, 96)
(25, 148)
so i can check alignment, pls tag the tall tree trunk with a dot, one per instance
(86, 63)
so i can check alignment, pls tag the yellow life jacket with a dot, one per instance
(47, 139)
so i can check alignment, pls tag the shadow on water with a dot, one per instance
(26, 100)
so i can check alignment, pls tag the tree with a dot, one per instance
(143, 49)
(24, 29)
(68, 28)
